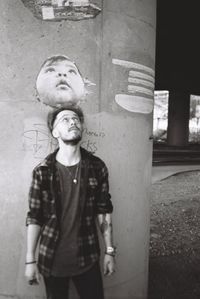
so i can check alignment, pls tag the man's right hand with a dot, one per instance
(32, 274)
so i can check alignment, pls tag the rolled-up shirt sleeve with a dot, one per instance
(34, 215)
(103, 204)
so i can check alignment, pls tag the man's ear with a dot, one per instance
(55, 133)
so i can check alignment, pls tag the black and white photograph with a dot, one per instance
(100, 143)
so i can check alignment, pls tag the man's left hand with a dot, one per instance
(109, 265)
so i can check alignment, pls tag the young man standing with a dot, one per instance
(69, 192)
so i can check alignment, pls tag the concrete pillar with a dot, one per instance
(128, 123)
(116, 51)
(178, 119)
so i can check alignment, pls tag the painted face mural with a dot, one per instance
(57, 10)
(59, 82)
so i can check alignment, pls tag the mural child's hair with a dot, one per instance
(56, 58)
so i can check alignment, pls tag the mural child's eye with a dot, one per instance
(50, 69)
(72, 71)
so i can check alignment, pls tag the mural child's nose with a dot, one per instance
(60, 74)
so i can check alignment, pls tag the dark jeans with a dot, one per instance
(89, 285)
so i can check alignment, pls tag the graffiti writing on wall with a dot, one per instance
(140, 87)
(39, 142)
(91, 139)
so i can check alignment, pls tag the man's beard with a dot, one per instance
(73, 141)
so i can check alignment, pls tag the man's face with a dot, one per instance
(67, 127)
(60, 83)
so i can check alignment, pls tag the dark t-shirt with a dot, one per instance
(65, 260)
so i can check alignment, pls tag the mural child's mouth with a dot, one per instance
(63, 85)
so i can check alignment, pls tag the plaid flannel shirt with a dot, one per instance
(45, 208)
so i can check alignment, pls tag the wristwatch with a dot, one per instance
(110, 250)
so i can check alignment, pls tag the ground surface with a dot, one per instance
(174, 268)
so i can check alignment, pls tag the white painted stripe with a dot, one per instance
(134, 89)
(141, 81)
(130, 64)
(135, 74)
(135, 103)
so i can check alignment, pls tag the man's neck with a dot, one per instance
(68, 154)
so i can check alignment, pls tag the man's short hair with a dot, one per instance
(52, 114)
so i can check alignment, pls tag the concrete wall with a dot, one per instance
(117, 132)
